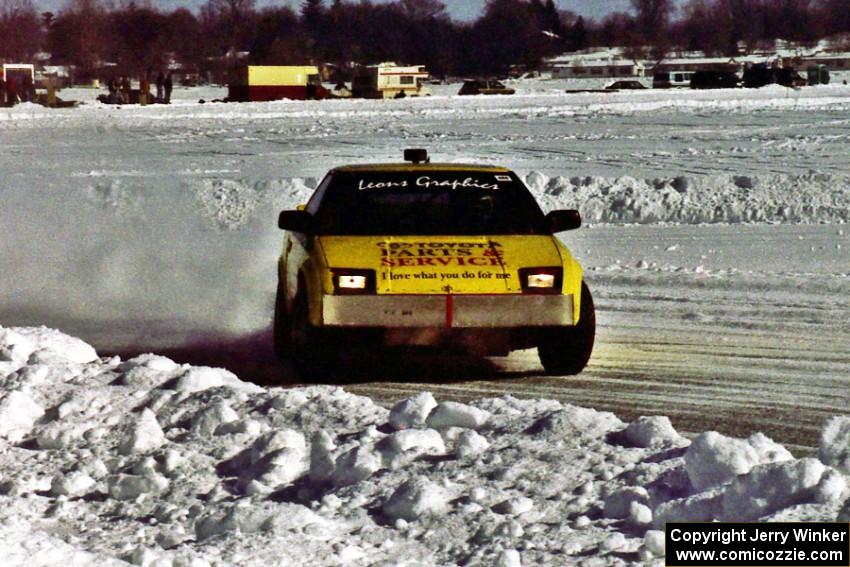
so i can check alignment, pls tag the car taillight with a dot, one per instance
(351, 282)
(541, 280)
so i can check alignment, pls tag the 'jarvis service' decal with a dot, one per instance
(436, 254)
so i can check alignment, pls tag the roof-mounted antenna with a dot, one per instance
(416, 155)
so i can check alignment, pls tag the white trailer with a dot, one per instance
(388, 80)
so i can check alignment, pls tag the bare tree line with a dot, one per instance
(137, 37)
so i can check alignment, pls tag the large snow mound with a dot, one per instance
(105, 461)
(733, 199)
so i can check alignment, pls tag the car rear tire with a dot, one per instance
(565, 351)
(313, 357)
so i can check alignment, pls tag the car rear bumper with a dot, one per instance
(449, 311)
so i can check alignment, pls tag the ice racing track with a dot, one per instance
(727, 349)
(152, 229)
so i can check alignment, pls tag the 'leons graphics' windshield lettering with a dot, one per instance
(454, 184)
(363, 185)
(429, 183)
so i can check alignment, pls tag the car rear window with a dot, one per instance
(425, 203)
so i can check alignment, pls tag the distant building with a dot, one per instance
(780, 53)
(692, 64)
(832, 61)
(61, 75)
(598, 69)
(598, 63)
(608, 62)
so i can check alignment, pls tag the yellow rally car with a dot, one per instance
(422, 254)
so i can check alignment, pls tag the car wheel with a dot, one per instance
(281, 333)
(566, 350)
(312, 356)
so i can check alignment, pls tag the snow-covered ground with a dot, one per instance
(717, 250)
(156, 463)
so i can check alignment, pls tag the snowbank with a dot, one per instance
(812, 198)
(697, 199)
(155, 463)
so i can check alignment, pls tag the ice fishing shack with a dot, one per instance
(258, 83)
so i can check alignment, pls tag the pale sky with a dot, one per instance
(458, 9)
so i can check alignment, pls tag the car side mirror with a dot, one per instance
(562, 220)
(297, 221)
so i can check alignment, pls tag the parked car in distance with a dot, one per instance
(669, 79)
(448, 257)
(789, 77)
(817, 75)
(485, 87)
(715, 79)
(759, 75)
(625, 85)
